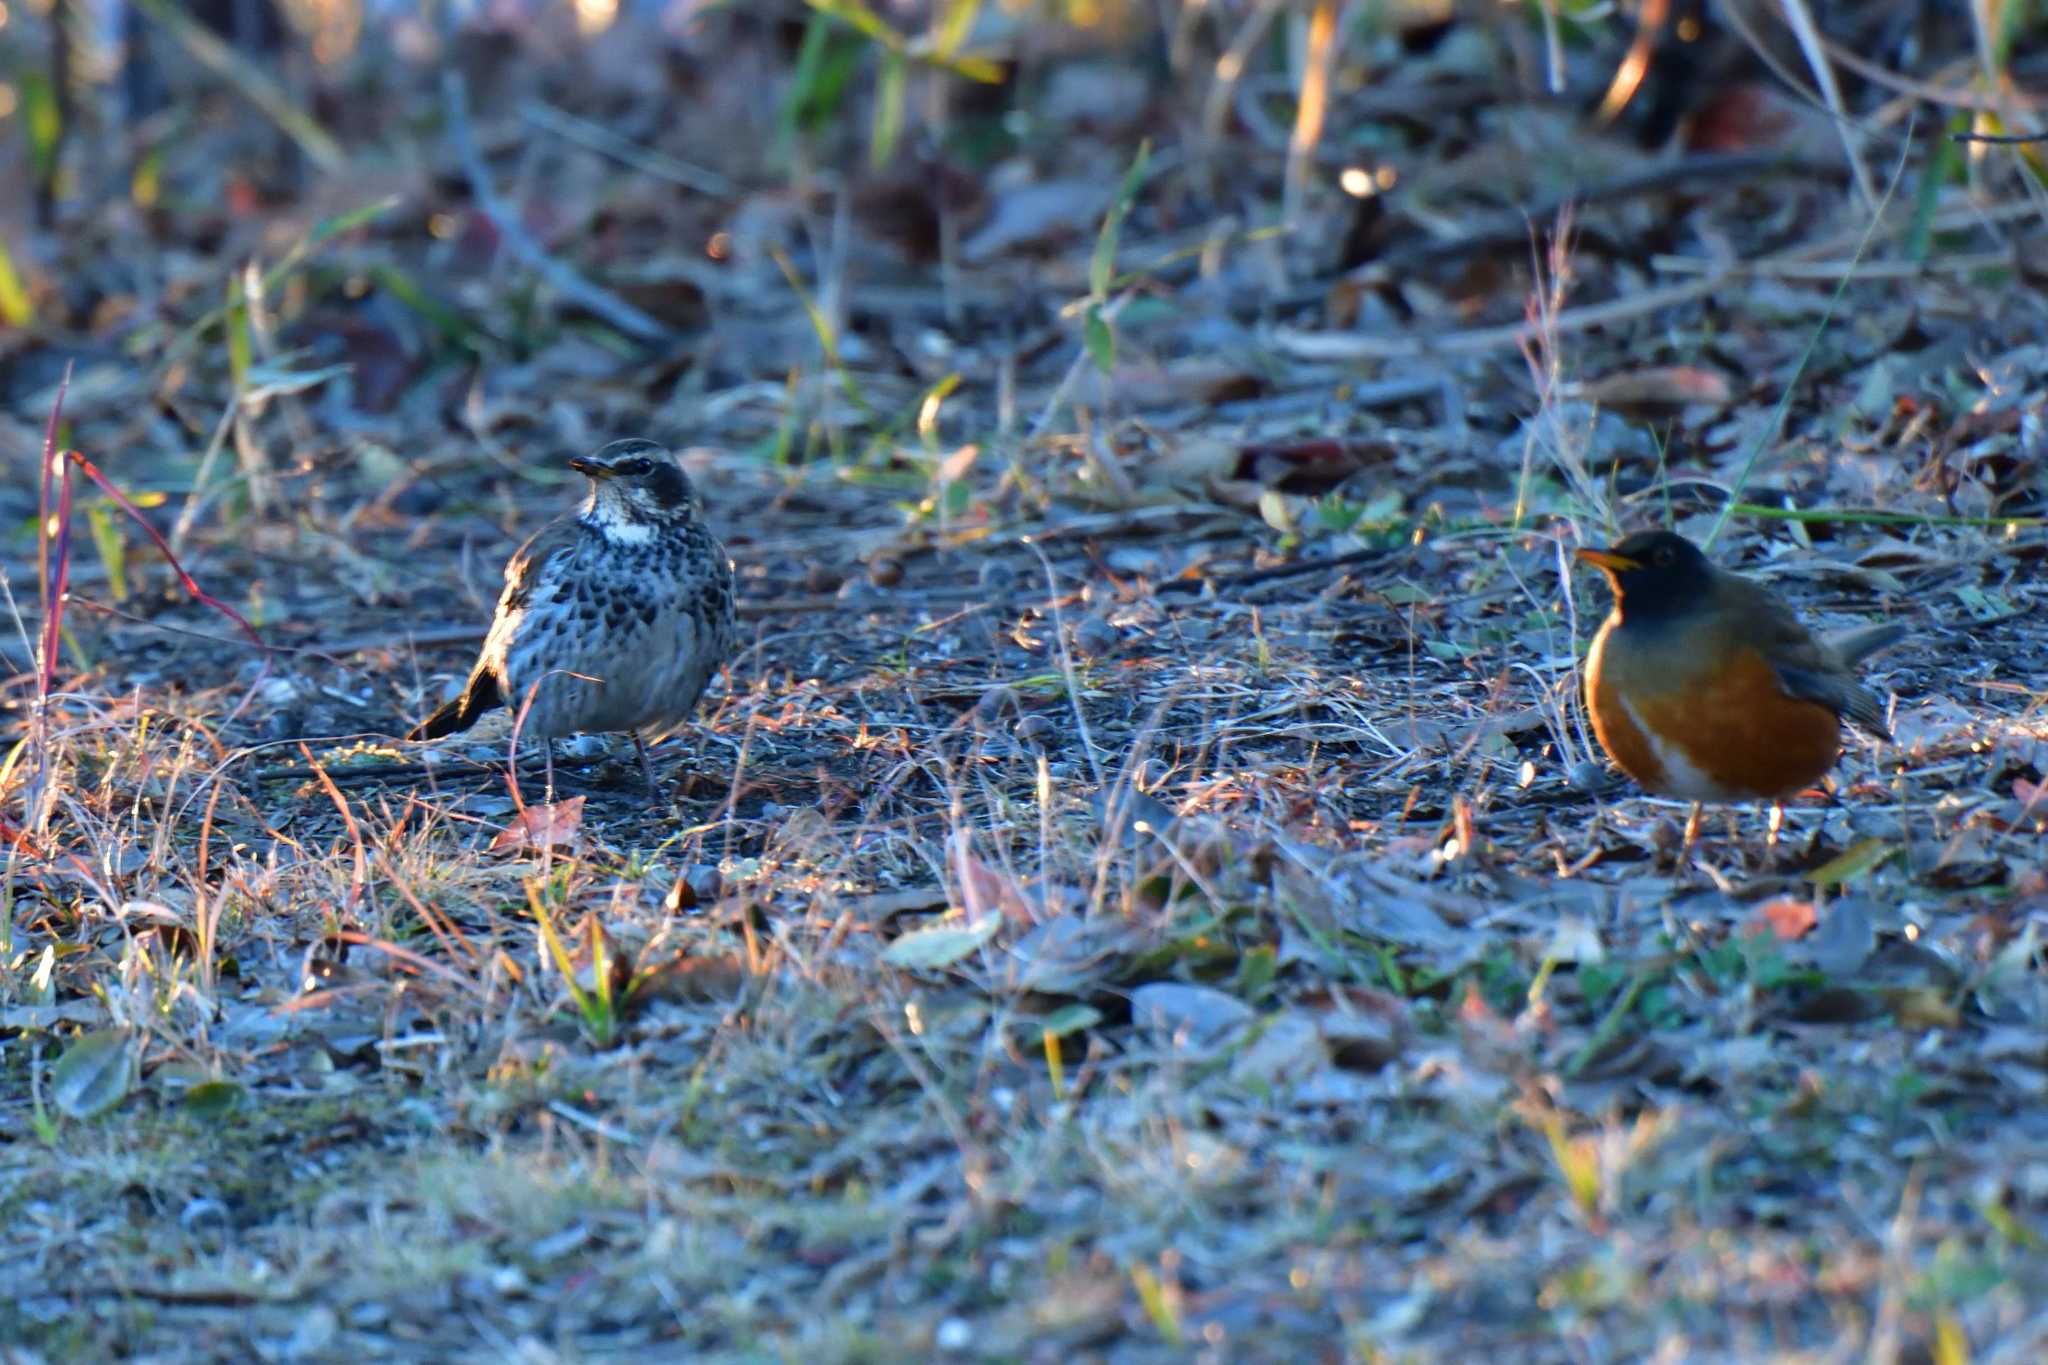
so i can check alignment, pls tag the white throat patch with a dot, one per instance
(605, 517)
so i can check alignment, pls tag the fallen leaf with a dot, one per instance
(1920, 1007)
(94, 1074)
(1787, 918)
(1068, 955)
(694, 979)
(1575, 940)
(941, 945)
(1289, 1049)
(1037, 216)
(1851, 862)
(1363, 1029)
(983, 888)
(539, 827)
(1659, 393)
(1070, 1019)
(1846, 939)
(1197, 1014)
(211, 1099)
(1310, 467)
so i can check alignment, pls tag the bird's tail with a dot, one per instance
(458, 715)
(1853, 645)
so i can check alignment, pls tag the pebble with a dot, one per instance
(1096, 637)
(998, 578)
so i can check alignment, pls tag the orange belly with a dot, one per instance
(1731, 736)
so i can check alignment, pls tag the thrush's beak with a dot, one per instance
(589, 468)
(1606, 559)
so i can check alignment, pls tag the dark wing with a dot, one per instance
(1840, 693)
(1808, 668)
(523, 573)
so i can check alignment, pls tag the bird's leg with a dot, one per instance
(1776, 825)
(547, 748)
(1692, 831)
(646, 765)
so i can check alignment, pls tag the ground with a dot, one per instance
(1144, 886)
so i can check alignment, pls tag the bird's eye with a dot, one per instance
(636, 466)
(1663, 558)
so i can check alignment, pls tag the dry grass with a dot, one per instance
(1134, 895)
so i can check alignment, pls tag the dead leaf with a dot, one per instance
(1049, 213)
(1070, 955)
(1787, 918)
(95, 1073)
(1920, 1007)
(1490, 1042)
(1660, 393)
(1288, 1050)
(1309, 467)
(983, 888)
(1200, 1015)
(1364, 1029)
(1196, 380)
(941, 945)
(691, 979)
(539, 827)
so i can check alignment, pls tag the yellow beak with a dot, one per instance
(1606, 559)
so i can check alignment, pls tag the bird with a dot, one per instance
(613, 617)
(1703, 686)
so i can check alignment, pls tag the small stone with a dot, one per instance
(1096, 637)
(885, 572)
(203, 1212)
(1587, 776)
(314, 1335)
(998, 579)
(953, 1335)
(996, 700)
(1034, 730)
(697, 886)
(582, 747)
(277, 691)
(823, 578)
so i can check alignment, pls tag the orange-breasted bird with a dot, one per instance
(1704, 686)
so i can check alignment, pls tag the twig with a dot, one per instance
(1510, 227)
(1946, 97)
(1835, 270)
(254, 84)
(1363, 346)
(1294, 570)
(1800, 20)
(1777, 419)
(601, 139)
(561, 278)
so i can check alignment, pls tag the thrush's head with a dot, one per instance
(1656, 575)
(635, 487)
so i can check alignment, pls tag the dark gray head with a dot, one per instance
(636, 482)
(1657, 575)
